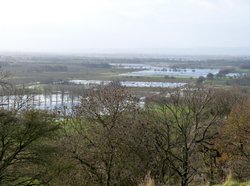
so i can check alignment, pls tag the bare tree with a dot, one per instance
(187, 118)
(103, 119)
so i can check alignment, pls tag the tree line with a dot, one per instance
(184, 136)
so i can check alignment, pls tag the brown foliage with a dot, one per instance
(235, 141)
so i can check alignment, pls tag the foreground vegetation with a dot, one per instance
(190, 136)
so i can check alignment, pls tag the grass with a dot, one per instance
(231, 182)
(150, 182)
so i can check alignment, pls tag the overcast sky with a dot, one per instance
(91, 25)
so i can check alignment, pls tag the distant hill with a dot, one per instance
(129, 52)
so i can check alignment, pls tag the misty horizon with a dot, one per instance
(200, 51)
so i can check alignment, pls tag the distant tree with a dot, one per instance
(166, 77)
(210, 76)
(97, 65)
(223, 72)
(200, 80)
(245, 66)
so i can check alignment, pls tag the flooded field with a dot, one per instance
(150, 70)
(88, 83)
(55, 101)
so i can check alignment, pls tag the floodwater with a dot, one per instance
(55, 101)
(150, 70)
(130, 83)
